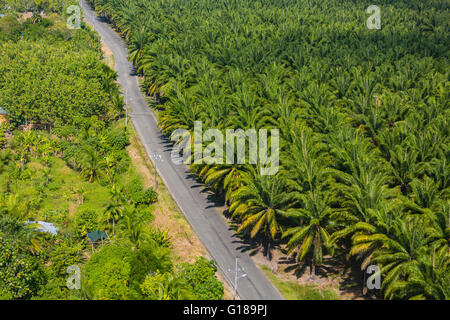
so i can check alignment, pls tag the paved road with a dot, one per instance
(206, 221)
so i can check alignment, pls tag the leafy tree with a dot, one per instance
(107, 273)
(21, 273)
(65, 253)
(165, 286)
(201, 277)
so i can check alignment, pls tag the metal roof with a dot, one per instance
(44, 227)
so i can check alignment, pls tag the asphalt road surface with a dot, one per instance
(212, 229)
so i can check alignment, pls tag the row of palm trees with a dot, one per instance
(363, 118)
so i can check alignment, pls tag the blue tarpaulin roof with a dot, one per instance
(44, 227)
(97, 235)
(3, 111)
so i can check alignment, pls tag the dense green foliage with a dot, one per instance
(21, 274)
(200, 276)
(63, 159)
(363, 116)
(45, 61)
(107, 273)
(58, 6)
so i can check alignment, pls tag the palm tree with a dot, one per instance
(429, 279)
(260, 203)
(133, 227)
(284, 116)
(80, 194)
(224, 178)
(367, 236)
(91, 164)
(117, 193)
(400, 253)
(425, 195)
(439, 226)
(404, 166)
(113, 212)
(46, 171)
(180, 113)
(111, 167)
(167, 286)
(365, 189)
(306, 162)
(46, 150)
(154, 256)
(248, 109)
(12, 206)
(138, 40)
(3, 140)
(318, 101)
(311, 234)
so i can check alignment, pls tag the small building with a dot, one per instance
(96, 237)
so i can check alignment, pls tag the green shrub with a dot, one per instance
(118, 141)
(150, 258)
(145, 197)
(21, 274)
(86, 221)
(165, 286)
(161, 237)
(64, 253)
(201, 277)
(107, 273)
(10, 28)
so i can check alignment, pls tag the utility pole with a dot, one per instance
(126, 108)
(156, 158)
(236, 277)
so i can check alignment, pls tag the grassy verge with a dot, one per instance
(295, 291)
(108, 57)
(187, 246)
